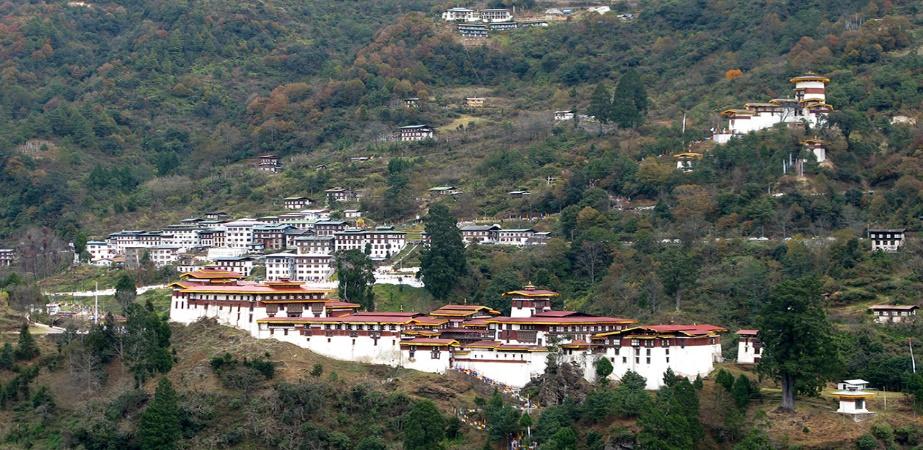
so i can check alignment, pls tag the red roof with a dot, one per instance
(530, 291)
(341, 305)
(687, 329)
(210, 274)
(480, 322)
(242, 288)
(747, 332)
(386, 313)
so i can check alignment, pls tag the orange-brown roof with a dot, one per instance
(430, 342)
(809, 77)
(211, 274)
(530, 291)
(747, 332)
(571, 320)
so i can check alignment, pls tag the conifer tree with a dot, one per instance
(26, 348)
(601, 104)
(159, 427)
(799, 348)
(6, 357)
(355, 278)
(125, 291)
(629, 103)
(443, 262)
(424, 427)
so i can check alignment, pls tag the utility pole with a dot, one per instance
(913, 363)
(96, 305)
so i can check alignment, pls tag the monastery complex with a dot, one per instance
(507, 349)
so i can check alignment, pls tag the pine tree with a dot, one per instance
(725, 379)
(356, 277)
(443, 262)
(629, 103)
(603, 368)
(424, 427)
(741, 391)
(6, 357)
(159, 427)
(799, 348)
(147, 342)
(26, 348)
(125, 291)
(673, 422)
(601, 104)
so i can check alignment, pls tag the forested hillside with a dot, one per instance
(137, 114)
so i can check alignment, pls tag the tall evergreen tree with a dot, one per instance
(799, 348)
(147, 342)
(673, 422)
(398, 198)
(7, 358)
(355, 278)
(601, 104)
(677, 271)
(443, 262)
(26, 348)
(125, 291)
(159, 428)
(424, 427)
(629, 104)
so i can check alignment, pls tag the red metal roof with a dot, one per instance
(559, 314)
(688, 329)
(431, 342)
(579, 320)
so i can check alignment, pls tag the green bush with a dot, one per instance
(866, 442)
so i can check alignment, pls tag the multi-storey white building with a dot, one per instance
(412, 133)
(383, 242)
(460, 15)
(496, 15)
(159, 255)
(183, 235)
(239, 233)
(100, 253)
(329, 227)
(519, 237)
(296, 202)
(886, 239)
(7, 257)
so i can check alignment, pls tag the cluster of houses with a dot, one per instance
(507, 349)
(302, 241)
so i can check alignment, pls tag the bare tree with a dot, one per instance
(42, 253)
(592, 258)
(85, 367)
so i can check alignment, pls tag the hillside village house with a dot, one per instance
(329, 227)
(299, 267)
(211, 237)
(352, 213)
(518, 236)
(7, 256)
(749, 347)
(216, 215)
(519, 193)
(412, 133)
(239, 264)
(271, 236)
(807, 107)
(296, 202)
(852, 397)
(886, 239)
(496, 15)
(269, 163)
(893, 313)
(411, 102)
(563, 115)
(159, 255)
(338, 194)
(509, 350)
(100, 253)
(472, 31)
(474, 102)
(460, 15)
(478, 234)
(444, 190)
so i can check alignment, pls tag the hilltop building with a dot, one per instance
(808, 107)
(338, 194)
(817, 148)
(474, 102)
(686, 161)
(563, 115)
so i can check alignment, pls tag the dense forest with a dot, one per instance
(137, 114)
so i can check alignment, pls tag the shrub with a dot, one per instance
(866, 442)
